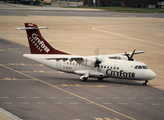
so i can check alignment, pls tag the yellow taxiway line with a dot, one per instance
(69, 92)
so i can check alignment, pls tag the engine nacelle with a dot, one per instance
(87, 61)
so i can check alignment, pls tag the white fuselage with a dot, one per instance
(108, 68)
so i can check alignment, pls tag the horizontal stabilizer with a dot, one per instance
(31, 28)
(139, 52)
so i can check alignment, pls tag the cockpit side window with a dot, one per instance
(139, 67)
(136, 67)
(144, 67)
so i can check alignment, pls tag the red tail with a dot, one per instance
(38, 45)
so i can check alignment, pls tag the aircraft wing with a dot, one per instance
(123, 55)
(77, 59)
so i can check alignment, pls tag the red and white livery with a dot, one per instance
(121, 66)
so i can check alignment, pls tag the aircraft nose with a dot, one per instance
(151, 75)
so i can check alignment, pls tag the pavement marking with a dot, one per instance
(139, 103)
(89, 103)
(15, 79)
(4, 97)
(9, 114)
(21, 97)
(7, 102)
(69, 97)
(24, 103)
(131, 98)
(122, 103)
(36, 97)
(96, 29)
(115, 97)
(155, 104)
(40, 71)
(147, 98)
(41, 103)
(78, 96)
(57, 102)
(23, 64)
(161, 98)
(99, 97)
(2, 50)
(78, 85)
(52, 97)
(74, 103)
(107, 103)
(13, 48)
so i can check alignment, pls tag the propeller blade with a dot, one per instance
(97, 62)
(127, 56)
(133, 54)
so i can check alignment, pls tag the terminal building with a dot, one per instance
(121, 3)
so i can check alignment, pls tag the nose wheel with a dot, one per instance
(145, 82)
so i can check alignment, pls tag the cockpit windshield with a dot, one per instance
(140, 67)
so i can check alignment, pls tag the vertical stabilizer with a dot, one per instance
(38, 45)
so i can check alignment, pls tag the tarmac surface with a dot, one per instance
(33, 91)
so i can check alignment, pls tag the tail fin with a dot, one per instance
(38, 45)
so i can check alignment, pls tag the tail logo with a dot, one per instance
(38, 43)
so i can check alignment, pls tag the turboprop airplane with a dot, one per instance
(121, 66)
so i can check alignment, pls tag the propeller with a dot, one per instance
(130, 58)
(97, 62)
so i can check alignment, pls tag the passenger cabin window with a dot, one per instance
(104, 66)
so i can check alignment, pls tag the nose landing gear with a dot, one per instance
(145, 82)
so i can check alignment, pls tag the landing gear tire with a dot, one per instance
(145, 82)
(84, 79)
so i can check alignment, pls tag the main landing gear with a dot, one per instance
(83, 79)
(144, 82)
